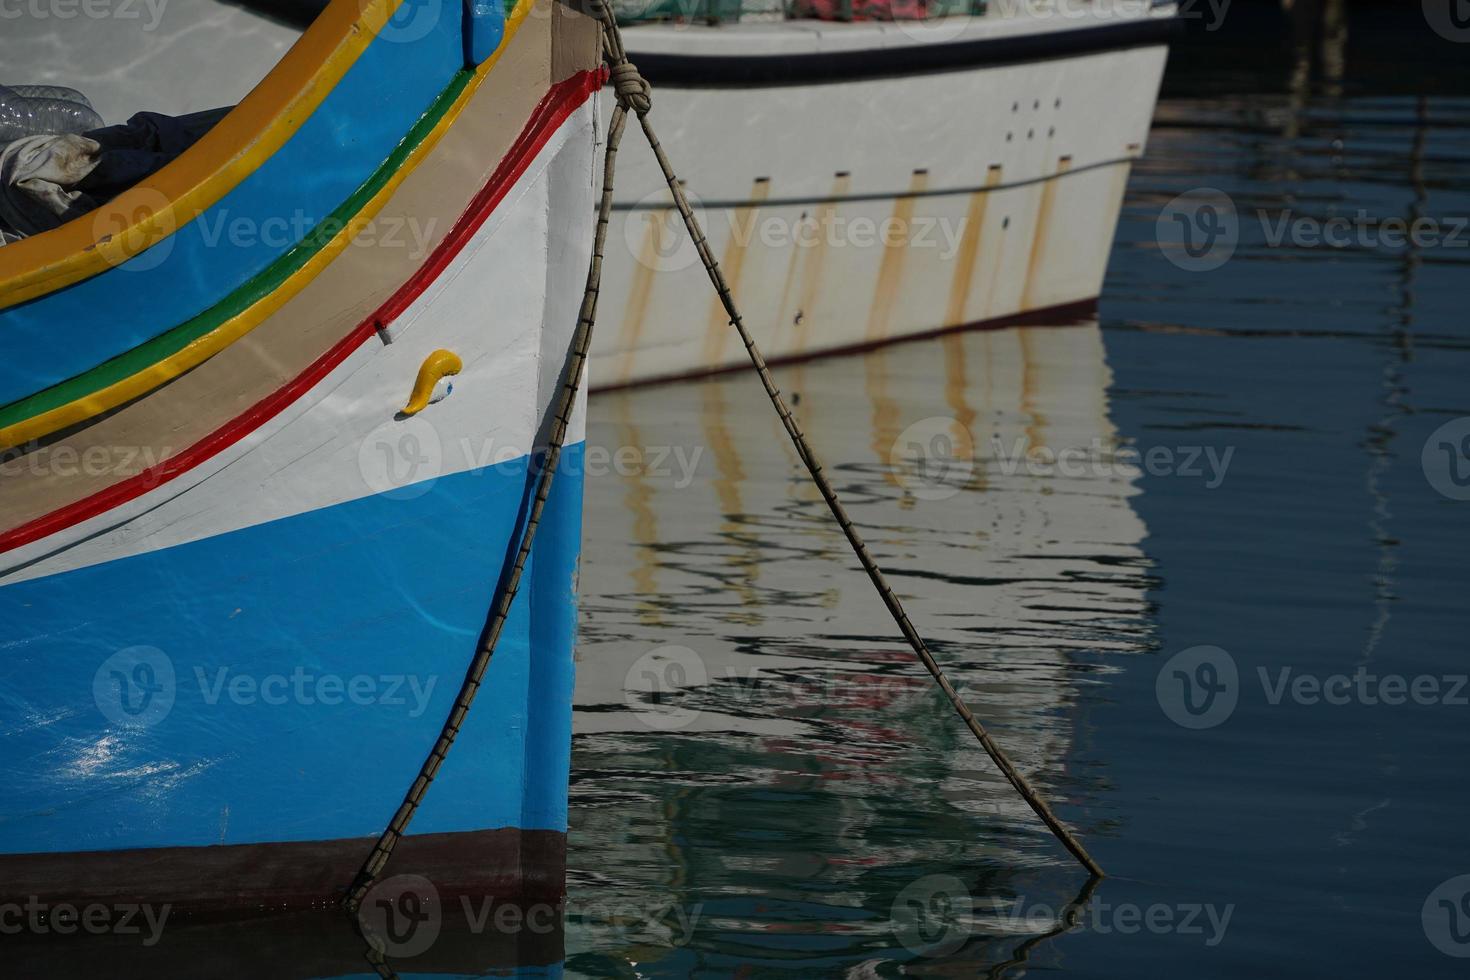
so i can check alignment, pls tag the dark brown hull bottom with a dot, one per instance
(241, 879)
(272, 909)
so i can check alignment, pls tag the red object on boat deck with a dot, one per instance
(861, 9)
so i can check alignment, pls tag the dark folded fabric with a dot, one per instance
(142, 146)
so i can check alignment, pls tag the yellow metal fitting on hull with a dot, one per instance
(436, 367)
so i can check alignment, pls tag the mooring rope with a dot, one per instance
(634, 95)
(629, 78)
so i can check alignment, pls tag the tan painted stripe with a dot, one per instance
(639, 294)
(1029, 298)
(965, 264)
(784, 318)
(895, 251)
(813, 260)
(742, 229)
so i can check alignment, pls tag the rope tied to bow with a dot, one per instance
(634, 95)
(633, 92)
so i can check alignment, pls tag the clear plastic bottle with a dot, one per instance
(50, 92)
(25, 111)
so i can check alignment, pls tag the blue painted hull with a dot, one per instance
(283, 682)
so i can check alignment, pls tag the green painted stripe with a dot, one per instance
(247, 294)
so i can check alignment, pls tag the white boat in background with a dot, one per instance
(862, 182)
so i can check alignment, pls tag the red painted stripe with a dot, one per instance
(563, 99)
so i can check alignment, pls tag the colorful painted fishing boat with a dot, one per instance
(266, 424)
(871, 180)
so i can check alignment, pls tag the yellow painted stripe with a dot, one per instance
(231, 330)
(231, 151)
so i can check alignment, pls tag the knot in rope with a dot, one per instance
(633, 91)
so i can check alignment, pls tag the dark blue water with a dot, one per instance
(766, 784)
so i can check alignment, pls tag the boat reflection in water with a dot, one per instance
(740, 684)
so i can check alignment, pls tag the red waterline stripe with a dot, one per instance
(563, 99)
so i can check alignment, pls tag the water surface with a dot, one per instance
(765, 783)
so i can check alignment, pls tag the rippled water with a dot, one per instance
(766, 783)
